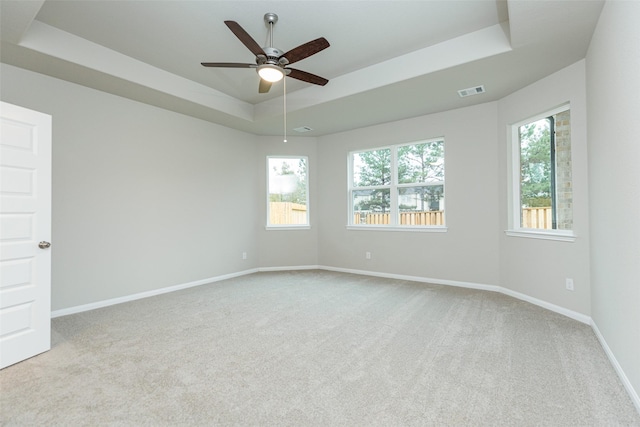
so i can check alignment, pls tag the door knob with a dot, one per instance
(44, 245)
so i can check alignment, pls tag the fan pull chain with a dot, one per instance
(285, 107)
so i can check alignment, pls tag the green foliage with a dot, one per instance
(299, 193)
(417, 164)
(535, 164)
(379, 201)
(375, 169)
(421, 162)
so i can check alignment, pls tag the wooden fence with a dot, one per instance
(294, 213)
(537, 218)
(406, 218)
(287, 213)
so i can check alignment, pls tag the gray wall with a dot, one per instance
(143, 198)
(534, 267)
(613, 87)
(290, 247)
(468, 252)
(475, 248)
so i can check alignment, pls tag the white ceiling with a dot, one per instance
(388, 60)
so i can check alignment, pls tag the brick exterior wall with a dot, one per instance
(564, 187)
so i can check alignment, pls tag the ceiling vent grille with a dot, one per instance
(302, 129)
(471, 91)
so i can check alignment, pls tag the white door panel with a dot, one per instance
(25, 220)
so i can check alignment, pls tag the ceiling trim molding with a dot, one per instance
(16, 18)
(470, 47)
(51, 41)
(480, 44)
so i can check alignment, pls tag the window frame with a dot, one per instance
(514, 203)
(270, 226)
(394, 186)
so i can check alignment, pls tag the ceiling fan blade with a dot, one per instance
(245, 38)
(307, 77)
(264, 86)
(305, 50)
(228, 65)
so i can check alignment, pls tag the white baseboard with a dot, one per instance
(133, 297)
(623, 377)
(583, 318)
(290, 268)
(413, 278)
(492, 288)
(555, 308)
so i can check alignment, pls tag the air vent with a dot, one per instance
(303, 129)
(471, 91)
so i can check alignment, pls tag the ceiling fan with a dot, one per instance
(271, 63)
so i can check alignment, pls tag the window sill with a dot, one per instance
(560, 236)
(287, 227)
(427, 229)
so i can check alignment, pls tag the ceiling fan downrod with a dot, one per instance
(270, 19)
(273, 54)
(271, 63)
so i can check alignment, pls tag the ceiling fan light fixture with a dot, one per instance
(271, 73)
(270, 62)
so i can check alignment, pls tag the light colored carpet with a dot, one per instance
(318, 348)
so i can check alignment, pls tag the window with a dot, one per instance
(398, 186)
(542, 186)
(287, 204)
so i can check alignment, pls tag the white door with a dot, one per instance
(25, 230)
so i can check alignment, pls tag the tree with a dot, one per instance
(423, 163)
(419, 164)
(288, 183)
(535, 164)
(300, 194)
(375, 169)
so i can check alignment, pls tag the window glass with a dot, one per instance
(288, 191)
(421, 162)
(402, 185)
(545, 183)
(372, 168)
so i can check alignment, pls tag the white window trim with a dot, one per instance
(288, 227)
(272, 227)
(532, 233)
(513, 194)
(392, 186)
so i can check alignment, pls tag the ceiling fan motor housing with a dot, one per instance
(270, 62)
(273, 57)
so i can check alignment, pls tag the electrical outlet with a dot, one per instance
(367, 255)
(244, 255)
(569, 284)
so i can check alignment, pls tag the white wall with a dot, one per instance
(143, 198)
(288, 248)
(468, 251)
(534, 267)
(613, 87)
